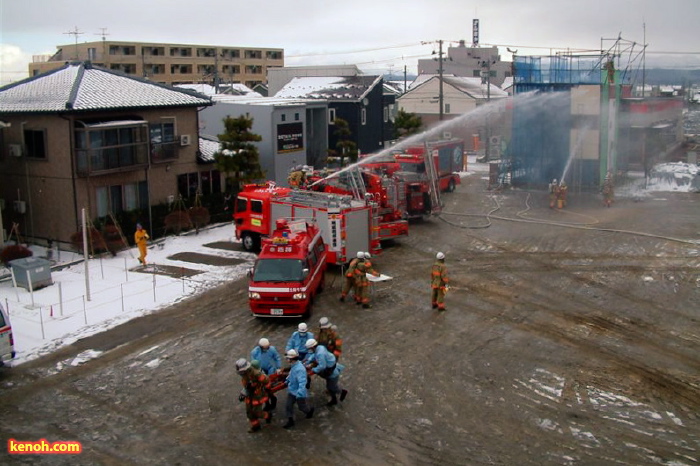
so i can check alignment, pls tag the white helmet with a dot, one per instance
(360, 255)
(302, 328)
(324, 322)
(554, 181)
(242, 365)
(264, 342)
(368, 255)
(311, 343)
(440, 256)
(291, 354)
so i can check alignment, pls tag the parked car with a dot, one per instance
(7, 343)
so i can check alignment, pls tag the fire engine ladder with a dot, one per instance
(433, 180)
(356, 183)
(317, 199)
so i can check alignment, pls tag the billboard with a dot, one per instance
(290, 137)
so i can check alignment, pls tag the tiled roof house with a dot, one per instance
(81, 137)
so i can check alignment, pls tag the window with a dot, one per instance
(253, 69)
(331, 116)
(120, 198)
(447, 108)
(111, 145)
(273, 55)
(296, 117)
(363, 116)
(253, 53)
(256, 206)
(162, 137)
(284, 117)
(241, 204)
(35, 143)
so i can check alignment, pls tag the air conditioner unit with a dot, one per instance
(20, 207)
(15, 150)
(446, 135)
(185, 140)
(495, 139)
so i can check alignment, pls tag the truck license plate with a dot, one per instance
(276, 312)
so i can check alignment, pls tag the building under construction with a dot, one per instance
(575, 118)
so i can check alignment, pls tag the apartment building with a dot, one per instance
(169, 64)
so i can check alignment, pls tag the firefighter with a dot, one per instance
(439, 282)
(362, 268)
(297, 177)
(561, 195)
(296, 389)
(268, 356)
(254, 394)
(349, 284)
(328, 337)
(608, 190)
(553, 193)
(140, 238)
(322, 362)
(298, 340)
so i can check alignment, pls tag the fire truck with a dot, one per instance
(289, 272)
(347, 225)
(448, 159)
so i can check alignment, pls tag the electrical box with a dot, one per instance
(15, 150)
(32, 270)
(185, 140)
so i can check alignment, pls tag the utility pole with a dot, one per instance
(404, 78)
(440, 96)
(75, 33)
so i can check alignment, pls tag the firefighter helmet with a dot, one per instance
(291, 354)
(302, 328)
(255, 363)
(264, 342)
(440, 256)
(311, 343)
(324, 322)
(368, 255)
(242, 365)
(554, 181)
(360, 255)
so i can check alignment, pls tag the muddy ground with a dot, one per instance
(571, 337)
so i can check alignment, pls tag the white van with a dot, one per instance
(7, 344)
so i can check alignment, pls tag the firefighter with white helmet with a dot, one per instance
(349, 283)
(296, 388)
(328, 337)
(608, 190)
(323, 363)
(254, 394)
(363, 268)
(267, 355)
(439, 282)
(553, 193)
(298, 340)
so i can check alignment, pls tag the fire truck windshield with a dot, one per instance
(278, 270)
(413, 167)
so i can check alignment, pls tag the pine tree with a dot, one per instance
(407, 124)
(345, 147)
(239, 158)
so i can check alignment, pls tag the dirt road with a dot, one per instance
(571, 337)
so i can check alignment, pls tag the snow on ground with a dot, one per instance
(118, 292)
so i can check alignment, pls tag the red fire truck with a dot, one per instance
(347, 225)
(289, 272)
(448, 158)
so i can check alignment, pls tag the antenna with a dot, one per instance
(103, 34)
(75, 33)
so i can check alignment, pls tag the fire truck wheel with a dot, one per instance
(451, 186)
(250, 242)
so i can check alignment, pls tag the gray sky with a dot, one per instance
(384, 34)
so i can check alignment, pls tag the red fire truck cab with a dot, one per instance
(448, 156)
(289, 272)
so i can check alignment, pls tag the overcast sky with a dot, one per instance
(384, 34)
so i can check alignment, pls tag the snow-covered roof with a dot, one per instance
(470, 86)
(272, 101)
(331, 88)
(77, 87)
(207, 149)
(227, 89)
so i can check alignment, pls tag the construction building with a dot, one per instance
(169, 63)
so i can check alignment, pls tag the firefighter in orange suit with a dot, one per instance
(561, 197)
(439, 282)
(553, 193)
(349, 283)
(608, 190)
(328, 336)
(362, 282)
(140, 238)
(254, 393)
